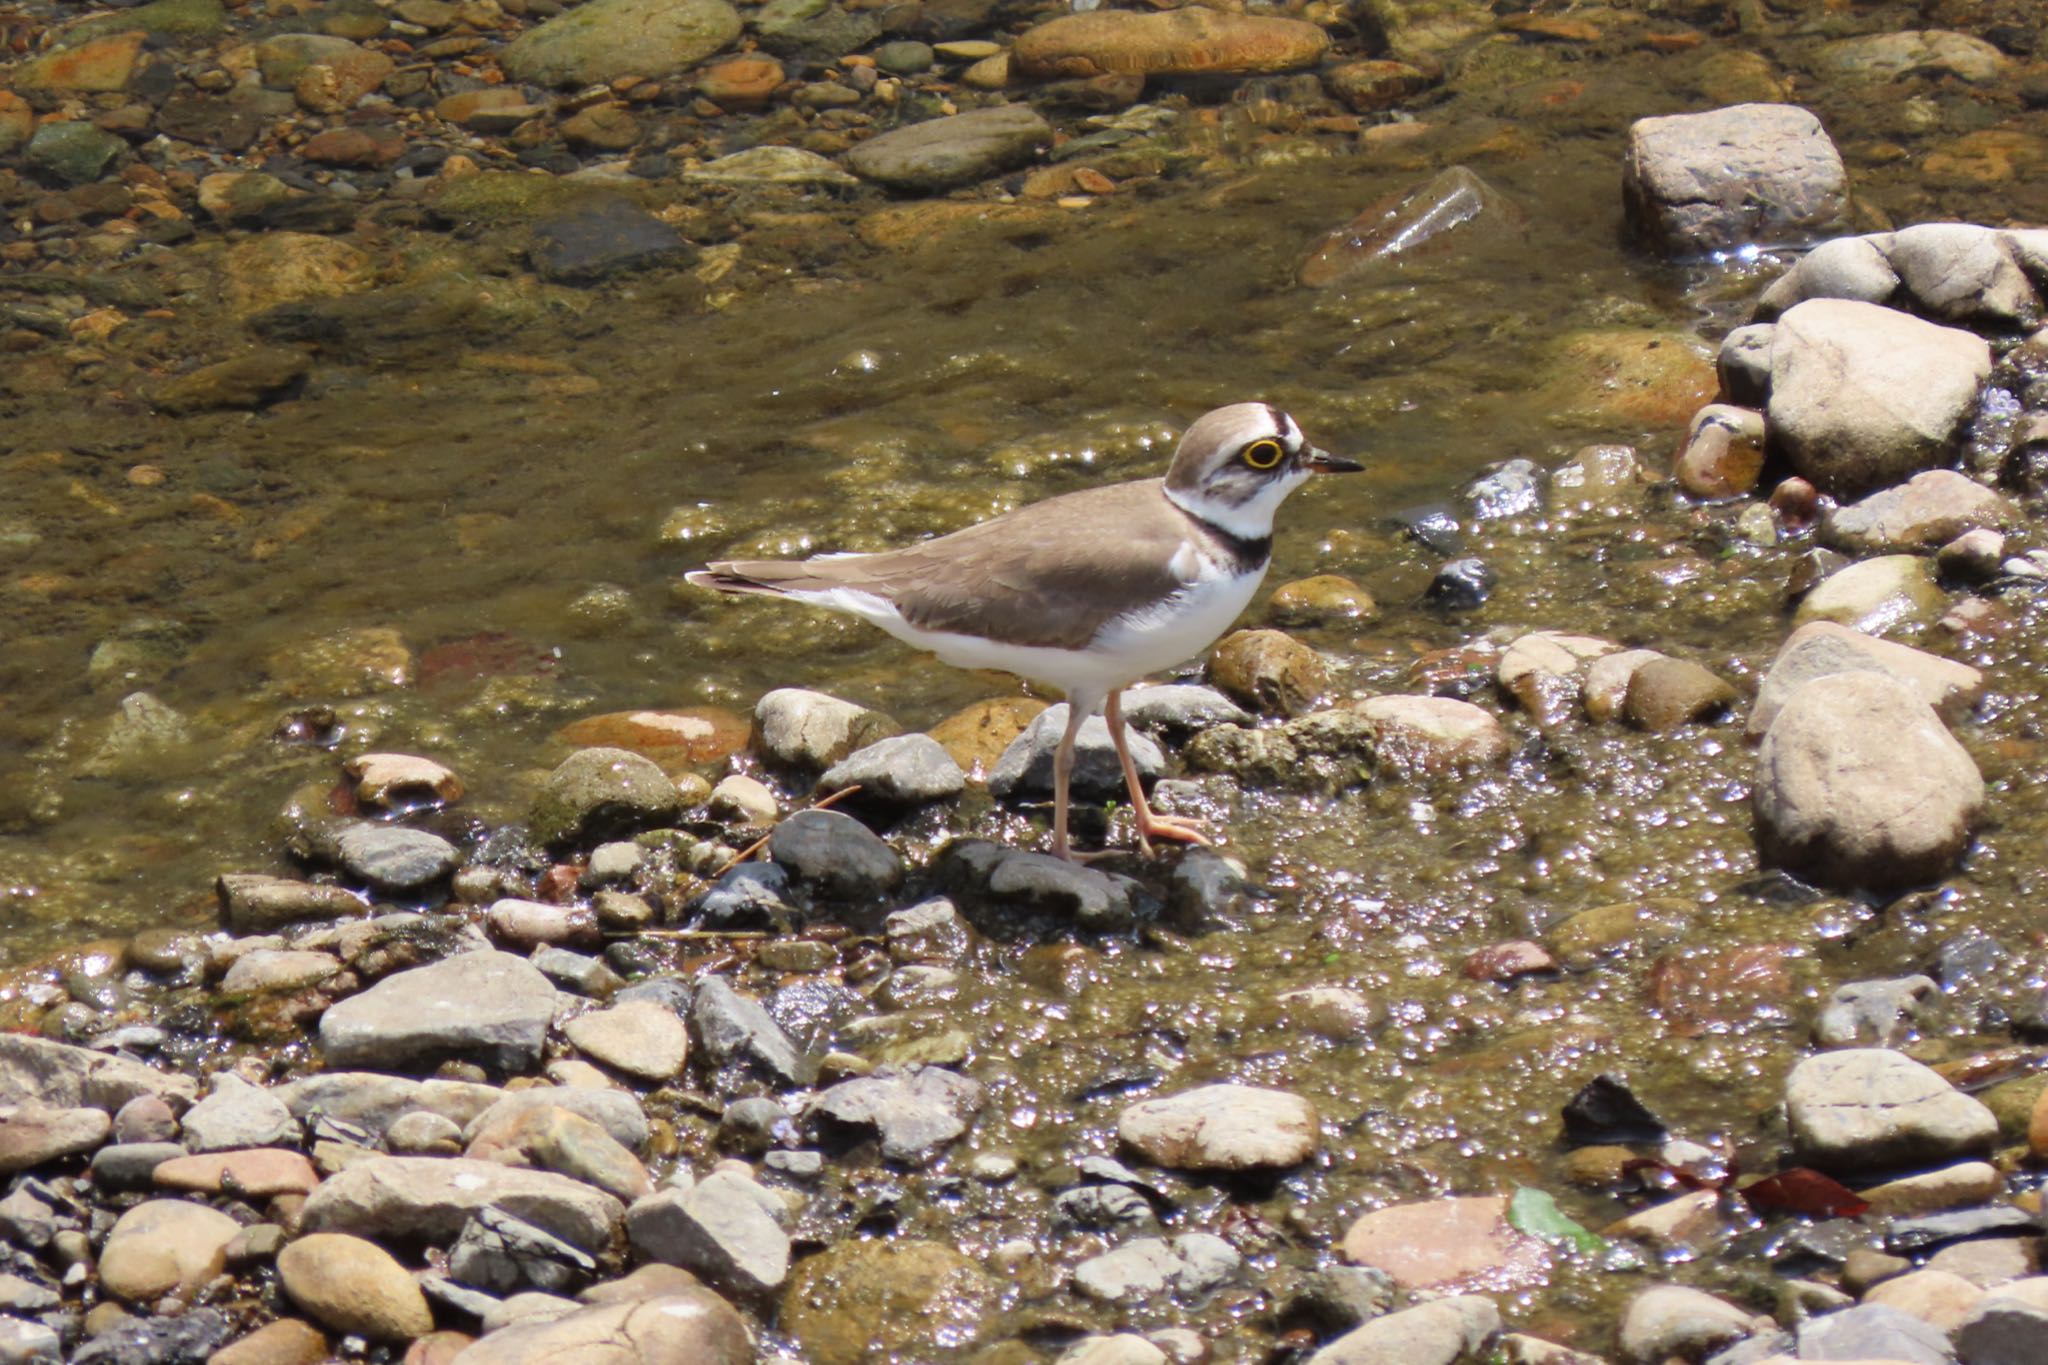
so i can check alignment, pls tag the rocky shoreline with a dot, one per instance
(767, 1037)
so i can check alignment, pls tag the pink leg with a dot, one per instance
(1062, 777)
(1150, 826)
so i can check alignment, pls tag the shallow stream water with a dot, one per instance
(519, 514)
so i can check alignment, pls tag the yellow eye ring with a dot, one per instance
(1263, 454)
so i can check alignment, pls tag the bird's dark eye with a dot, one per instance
(1262, 454)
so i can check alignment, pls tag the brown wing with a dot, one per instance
(1050, 574)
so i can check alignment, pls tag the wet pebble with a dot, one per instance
(735, 1030)
(1925, 512)
(1435, 1333)
(1188, 1266)
(940, 153)
(1461, 585)
(1675, 1320)
(1872, 1013)
(690, 1324)
(1222, 1128)
(388, 859)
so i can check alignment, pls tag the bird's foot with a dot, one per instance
(1173, 829)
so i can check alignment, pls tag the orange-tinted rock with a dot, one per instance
(1506, 961)
(256, 1172)
(495, 108)
(98, 67)
(740, 82)
(1451, 1245)
(1722, 989)
(977, 735)
(366, 147)
(17, 120)
(1179, 42)
(1723, 454)
(673, 739)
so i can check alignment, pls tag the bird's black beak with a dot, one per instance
(1323, 462)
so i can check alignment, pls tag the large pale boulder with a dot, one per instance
(1859, 784)
(1863, 397)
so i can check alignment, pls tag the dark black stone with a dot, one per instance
(751, 896)
(602, 240)
(1606, 1111)
(1434, 526)
(209, 122)
(835, 855)
(1461, 585)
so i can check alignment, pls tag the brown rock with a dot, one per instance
(602, 127)
(1179, 42)
(747, 82)
(1722, 989)
(1689, 1220)
(1933, 1296)
(1545, 672)
(493, 109)
(1723, 453)
(17, 120)
(1645, 378)
(1319, 601)
(32, 1134)
(365, 146)
(1368, 86)
(1449, 1245)
(1664, 694)
(247, 381)
(402, 781)
(285, 267)
(976, 735)
(337, 85)
(1268, 671)
(1859, 784)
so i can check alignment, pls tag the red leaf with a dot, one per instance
(1804, 1190)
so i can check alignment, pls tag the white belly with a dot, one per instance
(1122, 654)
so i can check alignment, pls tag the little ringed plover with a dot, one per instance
(1088, 591)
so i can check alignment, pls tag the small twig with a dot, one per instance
(751, 849)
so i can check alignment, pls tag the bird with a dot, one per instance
(1087, 591)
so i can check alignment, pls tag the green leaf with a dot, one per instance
(1533, 1211)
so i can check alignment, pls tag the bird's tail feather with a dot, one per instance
(766, 577)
